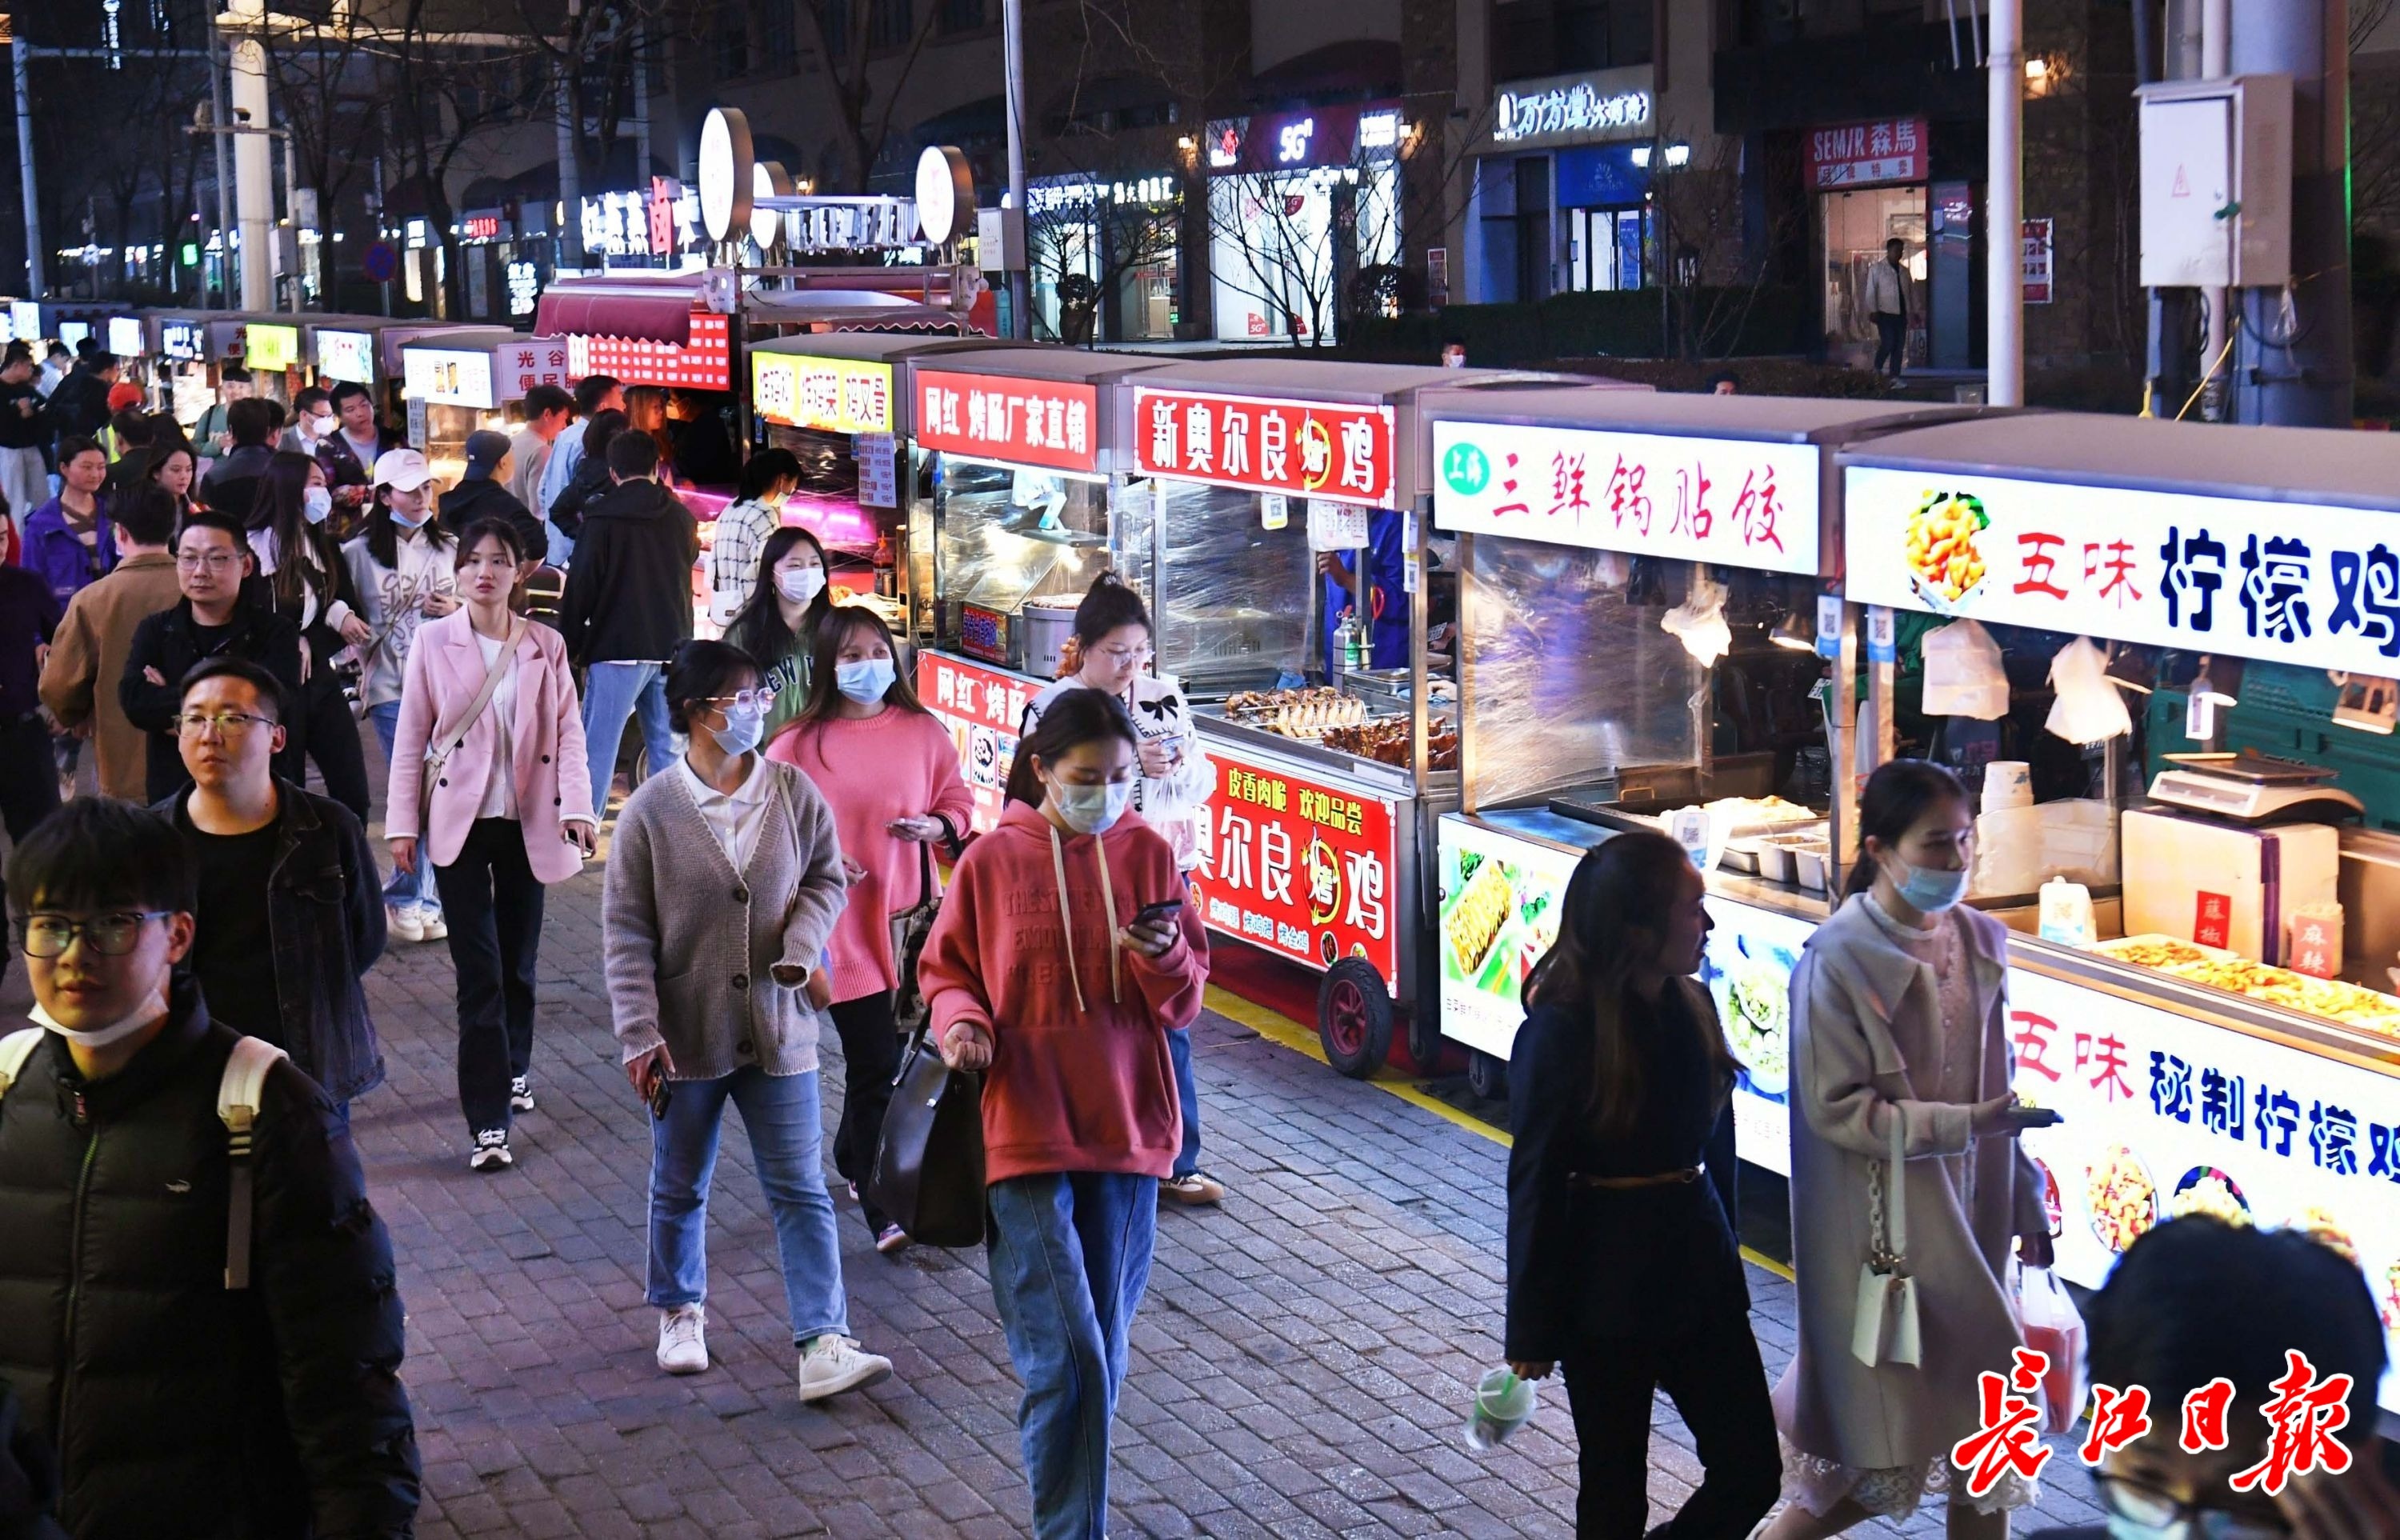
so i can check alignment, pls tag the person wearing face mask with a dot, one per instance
(403, 574)
(302, 575)
(1898, 1013)
(488, 717)
(778, 626)
(1051, 970)
(723, 883)
(890, 772)
(312, 422)
(768, 478)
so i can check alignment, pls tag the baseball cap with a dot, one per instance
(122, 395)
(404, 468)
(485, 450)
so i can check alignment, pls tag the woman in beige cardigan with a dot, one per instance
(1898, 1010)
(724, 884)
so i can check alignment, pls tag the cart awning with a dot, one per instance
(638, 312)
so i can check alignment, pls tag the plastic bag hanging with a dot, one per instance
(1963, 673)
(1698, 623)
(2088, 709)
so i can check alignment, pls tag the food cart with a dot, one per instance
(185, 383)
(352, 349)
(2220, 1026)
(460, 382)
(1650, 636)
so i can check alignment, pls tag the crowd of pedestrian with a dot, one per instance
(216, 611)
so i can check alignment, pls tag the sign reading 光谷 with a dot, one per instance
(836, 395)
(2306, 584)
(1741, 502)
(1053, 423)
(1319, 450)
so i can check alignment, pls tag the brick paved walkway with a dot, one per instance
(1298, 1365)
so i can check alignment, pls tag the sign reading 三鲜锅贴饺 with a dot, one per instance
(1741, 502)
(1317, 449)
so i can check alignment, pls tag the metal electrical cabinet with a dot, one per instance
(2216, 182)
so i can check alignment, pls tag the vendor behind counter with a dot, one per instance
(1388, 600)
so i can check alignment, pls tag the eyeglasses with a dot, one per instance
(229, 724)
(215, 561)
(2147, 1508)
(759, 699)
(50, 935)
(1125, 654)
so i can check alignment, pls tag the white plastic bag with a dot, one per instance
(2088, 709)
(1963, 674)
(1698, 623)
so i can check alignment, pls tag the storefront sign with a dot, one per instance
(1565, 109)
(982, 708)
(1052, 423)
(1067, 195)
(2166, 1117)
(1730, 500)
(125, 336)
(1337, 135)
(704, 364)
(2299, 583)
(483, 225)
(273, 348)
(1868, 155)
(878, 470)
(1301, 868)
(835, 395)
(524, 288)
(2037, 261)
(517, 367)
(1339, 452)
(346, 356)
(446, 376)
(661, 221)
(185, 341)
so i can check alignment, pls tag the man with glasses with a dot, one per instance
(278, 952)
(214, 619)
(198, 1366)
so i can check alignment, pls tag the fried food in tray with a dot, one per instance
(1305, 713)
(1473, 923)
(2326, 999)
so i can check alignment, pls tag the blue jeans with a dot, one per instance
(611, 693)
(1070, 1258)
(787, 1143)
(1187, 1093)
(404, 889)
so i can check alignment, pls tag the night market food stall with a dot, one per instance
(2191, 786)
(461, 382)
(1650, 636)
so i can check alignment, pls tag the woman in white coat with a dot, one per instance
(1111, 652)
(1899, 1019)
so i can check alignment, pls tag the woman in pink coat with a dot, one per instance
(891, 774)
(488, 712)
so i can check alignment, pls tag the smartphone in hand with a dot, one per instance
(1165, 908)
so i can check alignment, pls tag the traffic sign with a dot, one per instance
(382, 262)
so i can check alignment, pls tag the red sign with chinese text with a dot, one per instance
(704, 364)
(1301, 868)
(1304, 448)
(1870, 154)
(1053, 423)
(982, 707)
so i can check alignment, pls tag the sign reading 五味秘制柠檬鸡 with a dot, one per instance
(2307, 584)
(1737, 502)
(1337, 453)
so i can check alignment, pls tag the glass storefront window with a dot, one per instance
(1275, 266)
(1857, 224)
(1605, 247)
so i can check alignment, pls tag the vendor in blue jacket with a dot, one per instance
(1388, 600)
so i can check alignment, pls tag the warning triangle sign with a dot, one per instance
(2182, 184)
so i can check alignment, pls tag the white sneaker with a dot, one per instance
(403, 924)
(432, 925)
(490, 1151)
(683, 1346)
(520, 1094)
(832, 1364)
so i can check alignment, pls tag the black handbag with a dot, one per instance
(909, 929)
(928, 1172)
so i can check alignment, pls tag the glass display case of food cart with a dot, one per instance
(463, 382)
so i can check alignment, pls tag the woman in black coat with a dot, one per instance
(302, 577)
(1622, 1264)
(591, 477)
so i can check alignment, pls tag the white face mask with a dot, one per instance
(317, 504)
(150, 1010)
(1091, 809)
(320, 427)
(800, 584)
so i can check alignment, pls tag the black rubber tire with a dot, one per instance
(1354, 1018)
(1424, 1038)
(1487, 1077)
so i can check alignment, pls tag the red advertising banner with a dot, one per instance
(704, 364)
(1304, 448)
(1299, 867)
(1053, 423)
(1870, 154)
(982, 707)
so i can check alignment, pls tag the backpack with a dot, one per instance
(239, 1093)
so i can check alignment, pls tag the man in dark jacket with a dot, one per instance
(213, 618)
(78, 408)
(482, 493)
(183, 1396)
(628, 606)
(348, 457)
(232, 484)
(289, 909)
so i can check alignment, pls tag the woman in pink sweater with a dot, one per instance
(1063, 957)
(892, 775)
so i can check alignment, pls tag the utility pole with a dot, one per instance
(2294, 344)
(253, 182)
(1020, 289)
(218, 118)
(570, 178)
(35, 284)
(2004, 215)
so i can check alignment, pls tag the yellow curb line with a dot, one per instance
(1285, 1033)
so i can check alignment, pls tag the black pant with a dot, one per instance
(331, 736)
(29, 776)
(1719, 1386)
(870, 1053)
(493, 903)
(1891, 342)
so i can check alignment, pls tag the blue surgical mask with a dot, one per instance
(316, 504)
(1092, 809)
(742, 730)
(1930, 889)
(865, 681)
(406, 521)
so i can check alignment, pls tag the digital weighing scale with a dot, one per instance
(2249, 786)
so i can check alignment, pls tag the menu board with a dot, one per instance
(270, 348)
(345, 355)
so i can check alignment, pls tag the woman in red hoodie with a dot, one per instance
(1059, 967)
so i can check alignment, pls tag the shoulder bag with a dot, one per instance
(446, 740)
(909, 929)
(929, 1164)
(1885, 1328)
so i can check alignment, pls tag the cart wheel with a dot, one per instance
(1425, 1035)
(1354, 1018)
(1487, 1076)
